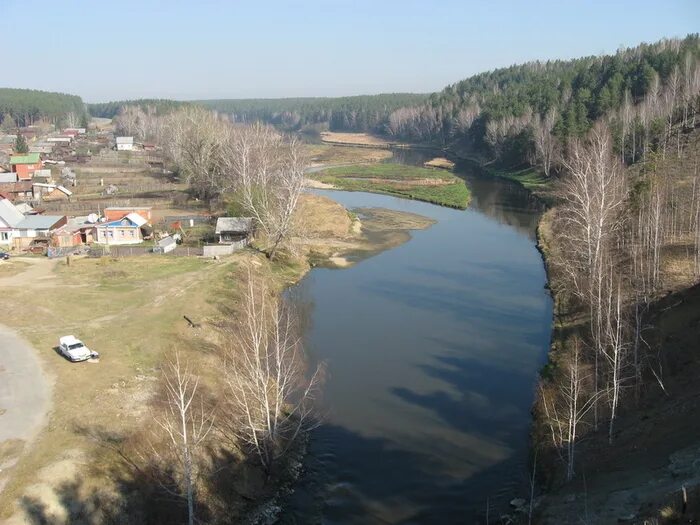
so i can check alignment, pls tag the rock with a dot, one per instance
(626, 518)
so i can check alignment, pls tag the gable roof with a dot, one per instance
(234, 224)
(9, 214)
(29, 158)
(39, 222)
(134, 220)
(16, 187)
(125, 140)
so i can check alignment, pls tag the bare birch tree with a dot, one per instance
(186, 423)
(593, 194)
(567, 406)
(267, 173)
(545, 142)
(270, 396)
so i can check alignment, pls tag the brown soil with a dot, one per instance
(641, 471)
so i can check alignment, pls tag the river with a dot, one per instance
(433, 350)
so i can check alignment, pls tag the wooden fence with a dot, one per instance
(137, 251)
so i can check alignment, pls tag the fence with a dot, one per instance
(137, 251)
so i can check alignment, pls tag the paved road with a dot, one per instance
(24, 390)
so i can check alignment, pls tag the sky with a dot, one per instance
(122, 49)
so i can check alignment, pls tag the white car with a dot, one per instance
(74, 349)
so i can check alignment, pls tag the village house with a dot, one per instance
(10, 217)
(25, 165)
(41, 147)
(125, 143)
(235, 231)
(76, 231)
(8, 177)
(60, 140)
(17, 191)
(127, 230)
(114, 213)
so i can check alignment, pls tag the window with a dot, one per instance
(5, 236)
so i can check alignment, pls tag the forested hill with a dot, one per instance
(357, 113)
(515, 114)
(23, 107)
(110, 109)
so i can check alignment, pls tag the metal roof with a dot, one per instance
(39, 222)
(234, 224)
(125, 140)
(167, 241)
(29, 158)
(9, 213)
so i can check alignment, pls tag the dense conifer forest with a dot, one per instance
(23, 107)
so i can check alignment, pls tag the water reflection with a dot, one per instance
(433, 349)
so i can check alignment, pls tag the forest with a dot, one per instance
(529, 113)
(111, 109)
(364, 113)
(24, 107)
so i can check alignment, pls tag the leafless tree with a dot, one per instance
(269, 402)
(545, 142)
(615, 349)
(186, 423)
(567, 406)
(267, 173)
(196, 144)
(593, 194)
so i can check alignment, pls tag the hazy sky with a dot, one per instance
(117, 49)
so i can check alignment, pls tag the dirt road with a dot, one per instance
(25, 392)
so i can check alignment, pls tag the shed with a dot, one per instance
(234, 230)
(165, 245)
(125, 143)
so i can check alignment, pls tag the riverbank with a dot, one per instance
(131, 311)
(655, 448)
(433, 185)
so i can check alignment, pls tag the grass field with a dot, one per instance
(130, 311)
(530, 178)
(436, 186)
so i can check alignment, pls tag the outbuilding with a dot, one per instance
(125, 143)
(234, 230)
(165, 245)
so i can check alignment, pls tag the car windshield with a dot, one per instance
(75, 346)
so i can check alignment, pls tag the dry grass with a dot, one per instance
(12, 267)
(129, 310)
(358, 139)
(327, 154)
(440, 162)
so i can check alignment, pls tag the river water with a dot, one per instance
(433, 350)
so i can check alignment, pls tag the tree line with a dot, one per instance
(159, 106)
(530, 113)
(24, 107)
(612, 231)
(364, 113)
